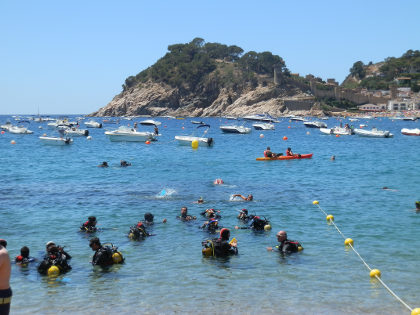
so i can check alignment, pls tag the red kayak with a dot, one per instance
(285, 157)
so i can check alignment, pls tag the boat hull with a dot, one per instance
(373, 133)
(187, 140)
(410, 132)
(128, 137)
(56, 141)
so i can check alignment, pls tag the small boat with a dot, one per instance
(6, 126)
(56, 140)
(373, 133)
(93, 124)
(110, 121)
(286, 157)
(197, 122)
(20, 130)
(235, 129)
(131, 135)
(263, 126)
(187, 140)
(315, 124)
(337, 131)
(76, 132)
(150, 122)
(353, 119)
(297, 118)
(261, 117)
(410, 118)
(410, 132)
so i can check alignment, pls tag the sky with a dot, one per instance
(72, 57)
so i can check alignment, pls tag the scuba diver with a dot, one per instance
(211, 225)
(256, 223)
(55, 256)
(138, 232)
(24, 258)
(89, 226)
(286, 246)
(148, 219)
(185, 216)
(211, 213)
(220, 247)
(104, 255)
(243, 215)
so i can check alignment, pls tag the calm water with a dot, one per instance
(48, 191)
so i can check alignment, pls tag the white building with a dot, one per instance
(403, 104)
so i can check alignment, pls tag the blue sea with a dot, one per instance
(47, 192)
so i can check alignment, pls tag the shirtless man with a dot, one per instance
(5, 291)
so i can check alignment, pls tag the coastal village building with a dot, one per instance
(372, 107)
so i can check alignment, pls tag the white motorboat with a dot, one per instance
(410, 132)
(315, 124)
(150, 122)
(261, 117)
(235, 129)
(187, 140)
(409, 118)
(6, 126)
(263, 126)
(353, 119)
(93, 124)
(337, 131)
(20, 130)
(74, 132)
(56, 140)
(195, 122)
(297, 118)
(373, 133)
(131, 135)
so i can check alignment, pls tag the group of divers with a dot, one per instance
(56, 259)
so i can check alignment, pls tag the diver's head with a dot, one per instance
(184, 211)
(92, 219)
(24, 252)
(224, 234)
(94, 243)
(281, 236)
(148, 217)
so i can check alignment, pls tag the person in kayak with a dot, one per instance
(248, 198)
(289, 152)
(269, 154)
(286, 246)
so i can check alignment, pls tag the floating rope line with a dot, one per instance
(374, 273)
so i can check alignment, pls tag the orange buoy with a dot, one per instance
(337, 136)
(285, 138)
(147, 142)
(289, 127)
(2, 132)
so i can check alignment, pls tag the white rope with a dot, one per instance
(365, 263)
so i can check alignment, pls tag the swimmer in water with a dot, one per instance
(248, 198)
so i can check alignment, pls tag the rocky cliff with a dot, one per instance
(159, 99)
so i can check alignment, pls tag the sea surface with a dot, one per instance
(48, 191)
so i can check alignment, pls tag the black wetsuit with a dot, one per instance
(222, 248)
(58, 259)
(288, 246)
(102, 257)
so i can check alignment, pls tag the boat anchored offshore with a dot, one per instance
(76, 132)
(129, 134)
(315, 124)
(56, 140)
(187, 140)
(373, 133)
(261, 117)
(410, 132)
(93, 124)
(286, 157)
(337, 131)
(150, 122)
(235, 129)
(20, 130)
(263, 126)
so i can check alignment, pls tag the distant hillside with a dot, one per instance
(208, 79)
(381, 75)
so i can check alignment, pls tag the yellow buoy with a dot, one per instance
(300, 248)
(194, 144)
(315, 202)
(207, 251)
(117, 258)
(375, 273)
(53, 271)
(267, 227)
(415, 311)
(348, 241)
(330, 217)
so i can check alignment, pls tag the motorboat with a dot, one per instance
(261, 117)
(131, 135)
(60, 124)
(297, 118)
(342, 131)
(93, 124)
(187, 140)
(55, 140)
(6, 126)
(353, 119)
(410, 132)
(263, 126)
(315, 124)
(197, 122)
(75, 132)
(150, 122)
(409, 118)
(373, 133)
(20, 130)
(235, 129)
